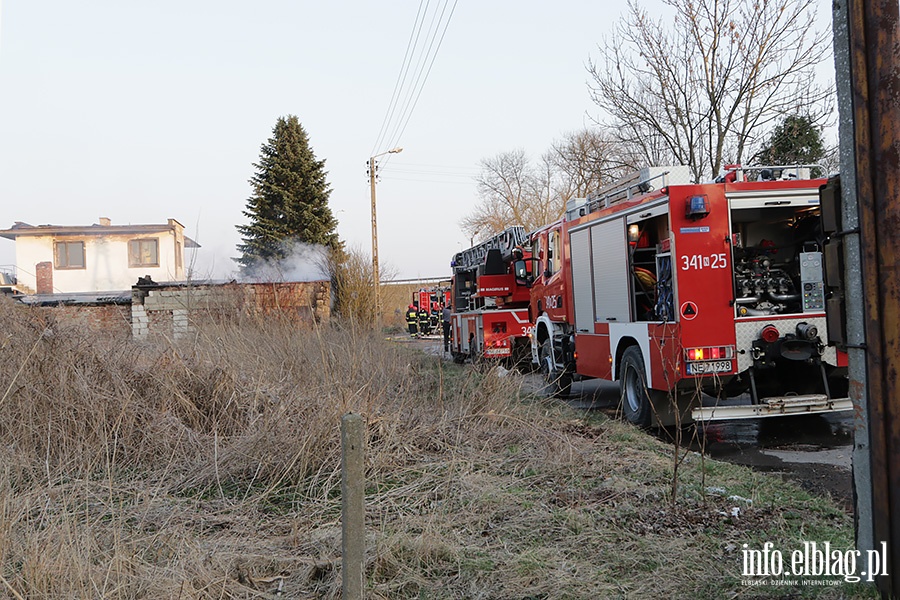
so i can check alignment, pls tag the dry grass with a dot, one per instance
(210, 469)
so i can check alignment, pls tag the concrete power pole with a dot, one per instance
(376, 277)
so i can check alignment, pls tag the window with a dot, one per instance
(143, 253)
(68, 255)
(554, 252)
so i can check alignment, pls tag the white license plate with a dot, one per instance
(718, 366)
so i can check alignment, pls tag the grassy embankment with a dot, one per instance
(210, 469)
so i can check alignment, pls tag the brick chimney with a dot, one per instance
(44, 273)
(105, 222)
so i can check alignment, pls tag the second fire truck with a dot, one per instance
(676, 289)
(490, 297)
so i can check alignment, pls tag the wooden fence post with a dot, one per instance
(353, 527)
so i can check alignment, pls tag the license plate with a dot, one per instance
(497, 352)
(718, 366)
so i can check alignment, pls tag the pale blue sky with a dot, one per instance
(142, 111)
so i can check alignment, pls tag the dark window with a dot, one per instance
(143, 253)
(69, 255)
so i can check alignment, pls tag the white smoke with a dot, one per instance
(304, 262)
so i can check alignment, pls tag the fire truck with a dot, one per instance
(685, 291)
(490, 300)
(433, 300)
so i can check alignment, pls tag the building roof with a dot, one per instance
(25, 229)
(78, 298)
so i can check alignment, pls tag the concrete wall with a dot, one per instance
(177, 310)
(106, 261)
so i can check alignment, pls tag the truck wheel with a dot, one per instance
(635, 397)
(521, 358)
(559, 383)
(458, 357)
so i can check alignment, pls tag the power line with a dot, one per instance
(428, 172)
(428, 72)
(403, 164)
(423, 54)
(429, 181)
(405, 97)
(401, 76)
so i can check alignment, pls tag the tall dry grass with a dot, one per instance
(109, 447)
(210, 469)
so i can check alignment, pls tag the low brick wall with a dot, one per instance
(176, 309)
(102, 319)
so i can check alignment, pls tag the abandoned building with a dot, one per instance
(62, 259)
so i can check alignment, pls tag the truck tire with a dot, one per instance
(559, 384)
(634, 394)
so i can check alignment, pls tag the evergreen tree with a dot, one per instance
(289, 202)
(795, 141)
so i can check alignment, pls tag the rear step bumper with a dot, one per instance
(774, 407)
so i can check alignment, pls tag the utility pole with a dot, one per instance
(376, 278)
(867, 34)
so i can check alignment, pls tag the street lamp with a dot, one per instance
(375, 276)
(472, 238)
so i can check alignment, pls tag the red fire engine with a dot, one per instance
(675, 289)
(490, 298)
(431, 300)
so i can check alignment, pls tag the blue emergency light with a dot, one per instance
(697, 207)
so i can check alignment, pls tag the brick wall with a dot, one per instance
(176, 309)
(104, 319)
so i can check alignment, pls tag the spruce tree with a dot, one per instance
(289, 202)
(794, 141)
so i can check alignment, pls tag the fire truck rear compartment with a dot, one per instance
(777, 260)
(778, 279)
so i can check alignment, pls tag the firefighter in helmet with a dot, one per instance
(412, 320)
(424, 320)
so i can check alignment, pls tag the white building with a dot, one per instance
(101, 257)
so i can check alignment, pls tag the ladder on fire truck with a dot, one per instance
(625, 188)
(506, 241)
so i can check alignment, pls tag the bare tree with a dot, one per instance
(705, 85)
(588, 159)
(352, 291)
(512, 192)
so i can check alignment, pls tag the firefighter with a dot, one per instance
(445, 323)
(412, 320)
(435, 317)
(424, 318)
